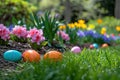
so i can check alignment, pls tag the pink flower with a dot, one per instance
(63, 35)
(20, 31)
(76, 49)
(4, 32)
(36, 35)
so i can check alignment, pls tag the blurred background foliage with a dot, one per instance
(68, 10)
(18, 9)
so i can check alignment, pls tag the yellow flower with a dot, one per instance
(99, 21)
(81, 21)
(103, 30)
(71, 25)
(91, 26)
(62, 27)
(117, 28)
(84, 26)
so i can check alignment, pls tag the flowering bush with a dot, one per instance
(63, 35)
(19, 34)
(36, 36)
(4, 34)
(92, 36)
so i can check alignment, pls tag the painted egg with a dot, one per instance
(91, 46)
(53, 55)
(12, 55)
(95, 45)
(31, 56)
(104, 45)
(76, 49)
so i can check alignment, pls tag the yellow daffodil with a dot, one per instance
(84, 26)
(81, 21)
(117, 28)
(91, 26)
(103, 30)
(71, 25)
(99, 21)
(62, 27)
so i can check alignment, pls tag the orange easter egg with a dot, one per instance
(104, 45)
(53, 55)
(31, 56)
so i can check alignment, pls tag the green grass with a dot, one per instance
(101, 64)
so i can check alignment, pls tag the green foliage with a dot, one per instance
(17, 9)
(109, 5)
(108, 22)
(73, 35)
(100, 64)
(49, 25)
(78, 8)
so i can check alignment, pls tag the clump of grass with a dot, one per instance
(98, 64)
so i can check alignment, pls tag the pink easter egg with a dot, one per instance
(76, 49)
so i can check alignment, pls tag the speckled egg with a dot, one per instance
(95, 45)
(76, 49)
(12, 55)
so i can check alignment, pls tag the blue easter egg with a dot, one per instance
(95, 45)
(12, 55)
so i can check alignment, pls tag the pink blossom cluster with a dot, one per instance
(4, 32)
(36, 35)
(63, 35)
(20, 31)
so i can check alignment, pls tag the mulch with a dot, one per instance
(22, 47)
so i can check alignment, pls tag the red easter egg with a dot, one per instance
(31, 56)
(53, 55)
(91, 46)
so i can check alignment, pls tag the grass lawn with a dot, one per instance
(100, 64)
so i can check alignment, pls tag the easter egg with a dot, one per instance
(91, 46)
(12, 55)
(31, 56)
(76, 49)
(104, 45)
(95, 45)
(53, 55)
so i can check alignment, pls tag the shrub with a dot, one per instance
(18, 9)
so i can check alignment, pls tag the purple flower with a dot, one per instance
(89, 33)
(106, 39)
(11, 27)
(80, 33)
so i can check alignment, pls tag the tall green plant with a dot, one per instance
(50, 27)
(48, 24)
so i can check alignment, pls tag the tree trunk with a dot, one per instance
(117, 9)
(68, 11)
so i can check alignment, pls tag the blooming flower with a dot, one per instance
(81, 21)
(89, 33)
(63, 35)
(20, 31)
(4, 32)
(103, 30)
(80, 33)
(99, 21)
(71, 25)
(117, 28)
(62, 27)
(91, 26)
(36, 35)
